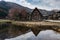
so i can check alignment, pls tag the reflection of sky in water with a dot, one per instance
(43, 35)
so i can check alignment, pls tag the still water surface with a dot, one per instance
(43, 35)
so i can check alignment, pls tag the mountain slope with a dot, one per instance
(8, 5)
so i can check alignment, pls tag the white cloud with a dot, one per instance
(47, 4)
(42, 4)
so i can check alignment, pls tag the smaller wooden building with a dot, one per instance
(55, 16)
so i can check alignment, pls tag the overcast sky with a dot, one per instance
(42, 4)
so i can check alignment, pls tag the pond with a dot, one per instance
(43, 35)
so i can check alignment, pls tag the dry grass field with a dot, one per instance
(30, 23)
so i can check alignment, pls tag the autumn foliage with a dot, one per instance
(17, 14)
